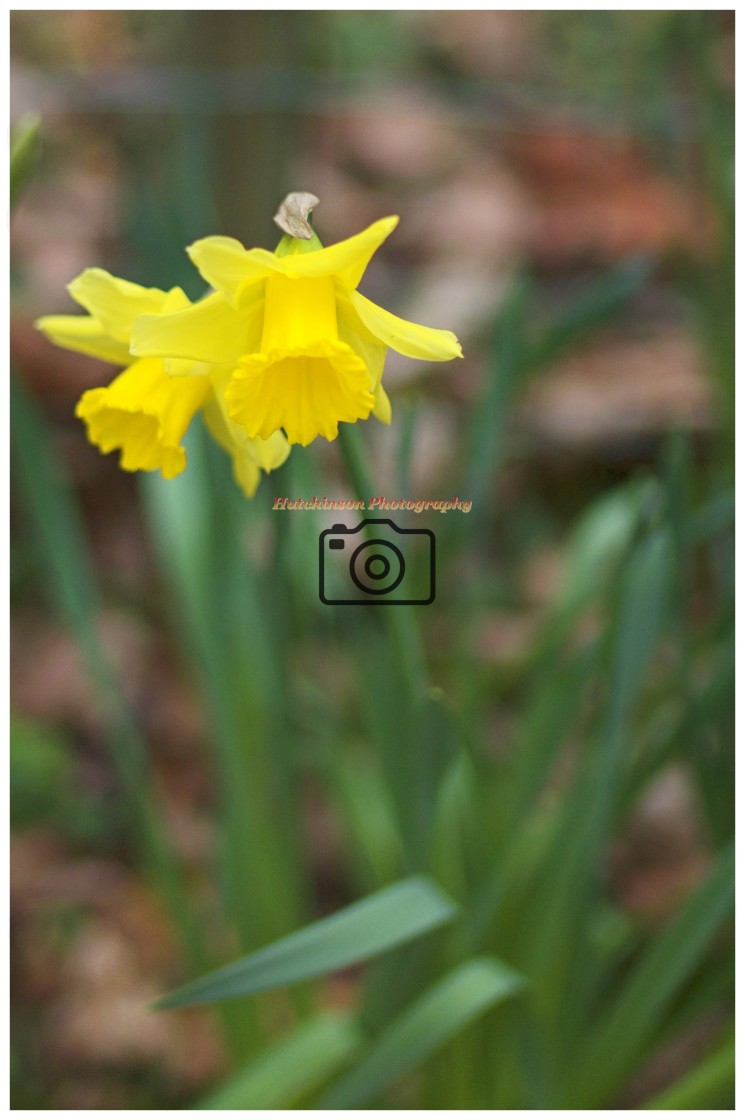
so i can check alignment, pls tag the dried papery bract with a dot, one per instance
(292, 216)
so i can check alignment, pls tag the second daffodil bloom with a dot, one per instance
(305, 347)
(145, 411)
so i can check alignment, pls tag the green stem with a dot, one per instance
(402, 631)
(405, 751)
(219, 619)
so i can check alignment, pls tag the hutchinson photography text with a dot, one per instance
(412, 505)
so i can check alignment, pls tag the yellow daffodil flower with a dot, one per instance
(145, 411)
(306, 348)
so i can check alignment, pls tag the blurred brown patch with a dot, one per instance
(618, 389)
(599, 198)
(661, 855)
(95, 973)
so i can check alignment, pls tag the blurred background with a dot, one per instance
(564, 186)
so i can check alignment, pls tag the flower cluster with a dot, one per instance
(281, 350)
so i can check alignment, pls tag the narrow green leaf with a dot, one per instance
(715, 517)
(386, 710)
(407, 417)
(430, 1022)
(389, 918)
(24, 151)
(619, 1039)
(364, 801)
(54, 517)
(437, 745)
(558, 916)
(292, 1067)
(644, 595)
(710, 1085)
(51, 507)
(196, 523)
(485, 439)
(403, 633)
(178, 511)
(599, 539)
(455, 819)
(599, 303)
(548, 713)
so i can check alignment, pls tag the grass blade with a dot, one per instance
(389, 918)
(434, 1019)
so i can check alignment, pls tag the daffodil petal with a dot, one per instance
(144, 414)
(367, 347)
(411, 339)
(176, 300)
(247, 473)
(269, 453)
(249, 456)
(115, 303)
(184, 367)
(346, 261)
(209, 331)
(356, 335)
(230, 268)
(85, 336)
(382, 410)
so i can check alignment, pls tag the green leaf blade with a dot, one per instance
(24, 153)
(628, 1029)
(592, 309)
(424, 1027)
(382, 921)
(288, 1069)
(53, 513)
(710, 1085)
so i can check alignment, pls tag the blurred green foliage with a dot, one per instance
(521, 857)
(501, 786)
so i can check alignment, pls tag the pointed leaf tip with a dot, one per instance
(382, 921)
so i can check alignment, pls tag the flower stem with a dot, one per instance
(402, 632)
